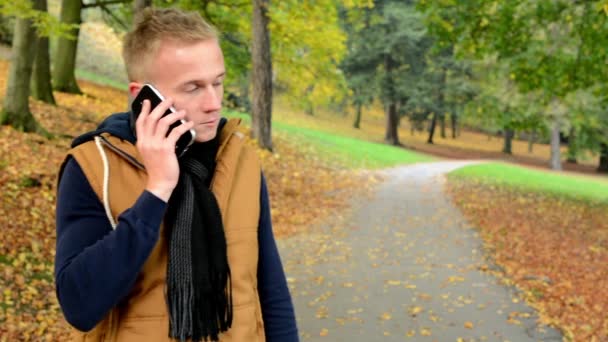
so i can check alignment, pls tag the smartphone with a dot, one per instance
(148, 92)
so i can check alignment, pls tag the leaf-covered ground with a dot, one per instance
(554, 249)
(403, 265)
(303, 191)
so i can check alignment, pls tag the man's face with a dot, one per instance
(192, 74)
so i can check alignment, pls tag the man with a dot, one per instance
(152, 247)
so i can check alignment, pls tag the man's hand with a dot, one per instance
(157, 150)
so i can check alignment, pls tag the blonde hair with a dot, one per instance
(152, 26)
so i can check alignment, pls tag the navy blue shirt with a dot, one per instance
(96, 266)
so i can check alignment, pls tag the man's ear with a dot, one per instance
(134, 88)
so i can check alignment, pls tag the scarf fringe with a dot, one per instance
(180, 312)
(200, 316)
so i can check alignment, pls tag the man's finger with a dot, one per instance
(139, 122)
(178, 131)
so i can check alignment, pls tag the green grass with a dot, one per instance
(343, 151)
(99, 79)
(523, 179)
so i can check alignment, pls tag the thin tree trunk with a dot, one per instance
(572, 146)
(556, 163)
(507, 147)
(432, 129)
(64, 62)
(41, 73)
(41, 77)
(357, 123)
(412, 128)
(261, 75)
(16, 110)
(454, 120)
(531, 139)
(436, 117)
(392, 122)
(140, 5)
(603, 166)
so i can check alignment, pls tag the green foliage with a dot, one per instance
(544, 55)
(46, 24)
(387, 44)
(525, 179)
(307, 45)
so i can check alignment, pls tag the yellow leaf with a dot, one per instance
(415, 310)
(468, 325)
(324, 332)
(425, 332)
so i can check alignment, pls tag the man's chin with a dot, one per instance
(205, 135)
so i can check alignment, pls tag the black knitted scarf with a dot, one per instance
(199, 291)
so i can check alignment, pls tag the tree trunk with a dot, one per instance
(531, 139)
(603, 167)
(357, 123)
(41, 77)
(392, 122)
(507, 147)
(572, 146)
(261, 75)
(454, 120)
(64, 61)
(16, 110)
(556, 163)
(442, 125)
(140, 5)
(432, 129)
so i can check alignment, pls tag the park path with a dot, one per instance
(403, 265)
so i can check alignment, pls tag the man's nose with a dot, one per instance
(212, 99)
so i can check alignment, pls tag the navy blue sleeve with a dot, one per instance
(96, 266)
(277, 308)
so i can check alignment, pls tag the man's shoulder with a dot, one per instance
(118, 125)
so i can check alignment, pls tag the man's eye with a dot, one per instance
(218, 83)
(191, 89)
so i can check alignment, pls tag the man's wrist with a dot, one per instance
(162, 193)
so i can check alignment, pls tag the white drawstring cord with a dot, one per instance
(106, 182)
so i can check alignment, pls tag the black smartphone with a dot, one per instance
(148, 92)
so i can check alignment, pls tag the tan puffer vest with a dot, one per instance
(142, 316)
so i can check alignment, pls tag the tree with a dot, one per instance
(41, 75)
(16, 102)
(358, 68)
(64, 61)
(386, 50)
(261, 75)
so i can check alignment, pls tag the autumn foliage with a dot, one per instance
(554, 249)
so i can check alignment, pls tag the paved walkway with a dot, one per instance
(403, 266)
